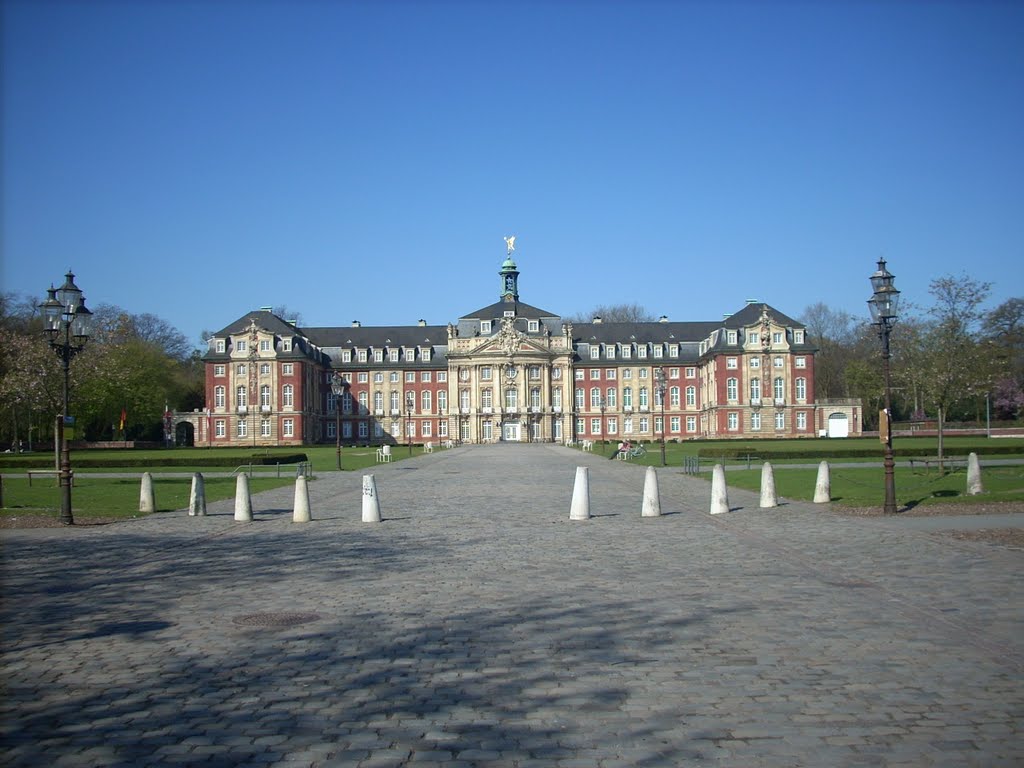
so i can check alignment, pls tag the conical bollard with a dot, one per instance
(371, 502)
(768, 497)
(301, 513)
(652, 498)
(197, 496)
(719, 493)
(580, 509)
(243, 501)
(974, 486)
(147, 501)
(823, 485)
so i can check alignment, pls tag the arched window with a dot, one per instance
(288, 395)
(611, 397)
(732, 390)
(378, 401)
(643, 397)
(691, 396)
(242, 396)
(673, 397)
(780, 389)
(218, 397)
(535, 397)
(265, 396)
(595, 397)
(755, 390)
(426, 401)
(801, 389)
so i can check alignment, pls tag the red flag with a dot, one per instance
(124, 416)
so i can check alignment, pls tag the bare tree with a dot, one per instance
(614, 313)
(833, 332)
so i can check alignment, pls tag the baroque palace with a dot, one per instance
(513, 372)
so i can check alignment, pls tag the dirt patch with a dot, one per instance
(1013, 538)
(938, 510)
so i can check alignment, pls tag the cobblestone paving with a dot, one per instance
(477, 625)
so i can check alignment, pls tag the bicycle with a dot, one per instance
(633, 452)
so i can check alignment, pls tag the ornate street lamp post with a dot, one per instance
(410, 405)
(68, 324)
(659, 379)
(602, 406)
(338, 390)
(883, 305)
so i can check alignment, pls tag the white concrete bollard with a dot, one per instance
(197, 496)
(652, 498)
(243, 501)
(147, 501)
(301, 513)
(371, 502)
(580, 509)
(823, 485)
(719, 492)
(974, 486)
(768, 497)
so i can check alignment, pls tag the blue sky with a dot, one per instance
(358, 160)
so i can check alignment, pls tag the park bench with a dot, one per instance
(933, 461)
(54, 473)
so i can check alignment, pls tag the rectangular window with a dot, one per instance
(331, 431)
(613, 426)
(673, 350)
(610, 374)
(240, 345)
(287, 369)
(218, 370)
(442, 428)
(580, 426)
(442, 376)
(288, 427)
(393, 355)
(730, 363)
(691, 423)
(361, 357)
(346, 357)
(641, 351)
(755, 421)
(265, 427)
(264, 369)
(533, 326)
(755, 362)
(730, 337)
(362, 377)
(627, 350)
(286, 345)
(732, 421)
(534, 372)
(242, 428)
(777, 338)
(378, 355)
(485, 326)
(241, 369)
(658, 350)
(410, 377)
(595, 426)
(798, 337)
(659, 428)
(691, 373)
(644, 425)
(485, 373)
(777, 362)
(643, 373)
(580, 374)
(800, 362)
(675, 423)
(219, 428)
(801, 420)
(780, 420)
(627, 425)
(425, 376)
(753, 338)
(732, 389)
(595, 351)
(346, 430)
(378, 377)
(220, 345)
(673, 373)
(595, 373)
(488, 431)
(264, 345)
(609, 352)
(393, 377)
(364, 431)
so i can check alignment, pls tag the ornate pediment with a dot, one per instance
(509, 340)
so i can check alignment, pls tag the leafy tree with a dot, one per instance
(953, 364)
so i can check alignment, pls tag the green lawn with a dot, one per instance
(115, 497)
(865, 487)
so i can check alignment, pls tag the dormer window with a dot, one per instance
(731, 337)
(425, 354)
(673, 350)
(533, 326)
(240, 345)
(361, 355)
(658, 350)
(264, 345)
(393, 355)
(798, 337)
(378, 355)
(485, 326)
(627, 351)
(595, 351)
(753, 337)
(220, 345)
(346, 355)
(641, 351)
(410, 354)
(286, 345)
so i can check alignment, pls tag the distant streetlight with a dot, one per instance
(883, 305)
(410, 406)
(659, 379)
(68, 323)
(602, 406)
(338, 384)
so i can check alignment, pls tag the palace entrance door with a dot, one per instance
(510, 431)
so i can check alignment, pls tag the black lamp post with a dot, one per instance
(602, 405)
(337, 389)
(68, 323)
(659, 379)
(410, 405)
(883, 305)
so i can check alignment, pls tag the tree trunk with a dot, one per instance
(941, 415)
